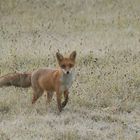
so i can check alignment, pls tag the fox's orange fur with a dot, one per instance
(46, 80)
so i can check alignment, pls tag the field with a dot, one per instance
(105, 97)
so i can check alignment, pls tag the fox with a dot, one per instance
(46, 80)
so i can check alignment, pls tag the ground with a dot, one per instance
(105, 96)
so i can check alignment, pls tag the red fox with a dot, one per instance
(46, 80)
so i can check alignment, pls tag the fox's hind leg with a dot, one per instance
(36, 95)
(37, 90)
(49, 97)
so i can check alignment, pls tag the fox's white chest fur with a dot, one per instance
(66, 81)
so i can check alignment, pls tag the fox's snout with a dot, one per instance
(67, 71)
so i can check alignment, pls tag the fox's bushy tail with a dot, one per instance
(16, 79)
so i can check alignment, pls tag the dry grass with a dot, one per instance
(105, 97)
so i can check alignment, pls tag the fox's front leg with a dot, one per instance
(58, 96)
(66, 97)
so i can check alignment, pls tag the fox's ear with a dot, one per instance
(59, 56)
(73, 55)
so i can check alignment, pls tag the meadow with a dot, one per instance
(105, 97)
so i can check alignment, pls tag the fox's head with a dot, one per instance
(66, 63)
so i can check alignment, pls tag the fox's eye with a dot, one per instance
(70, 65)
(63, 66)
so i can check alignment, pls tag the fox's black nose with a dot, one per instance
(68, 72)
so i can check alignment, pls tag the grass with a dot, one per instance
(104, 99)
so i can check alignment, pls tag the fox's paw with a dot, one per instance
(64, 104)
(34, 99)
(59, 112)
